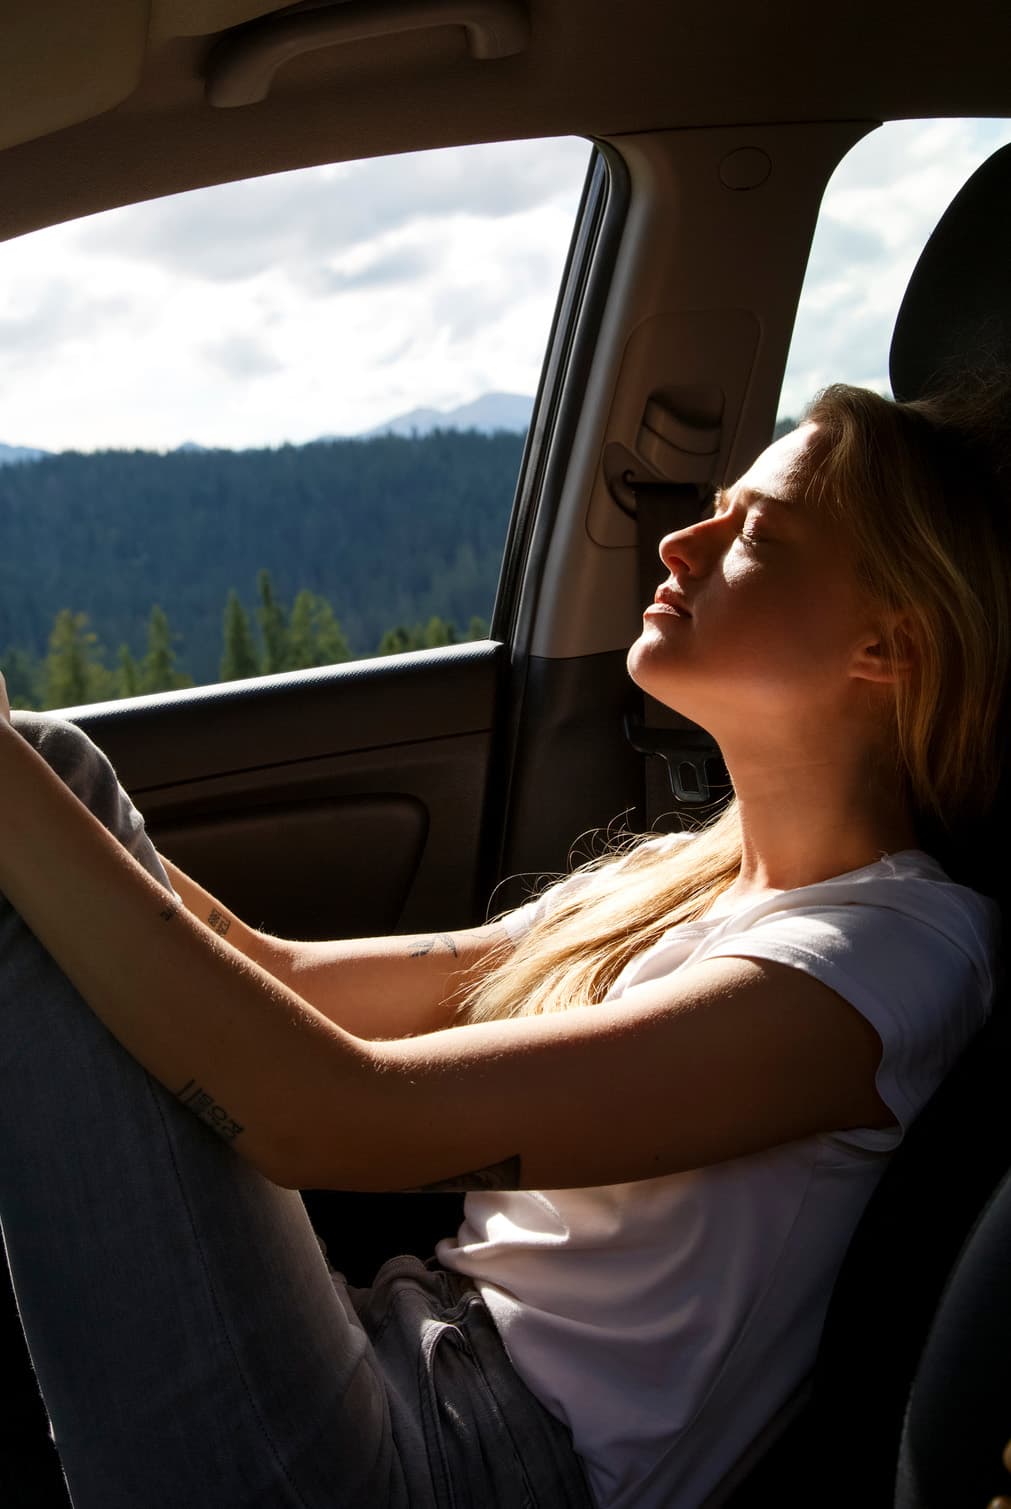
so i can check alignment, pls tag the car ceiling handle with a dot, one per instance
(242, 67)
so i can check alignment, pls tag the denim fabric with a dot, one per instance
(191, 1342)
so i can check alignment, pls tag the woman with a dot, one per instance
(664, 1184)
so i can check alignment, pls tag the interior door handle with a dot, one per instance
(242, 66)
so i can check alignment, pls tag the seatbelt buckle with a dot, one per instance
(686, 752)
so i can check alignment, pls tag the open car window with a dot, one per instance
(273, 424)
(879, 209)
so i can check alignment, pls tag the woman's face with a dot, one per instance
(760, 615)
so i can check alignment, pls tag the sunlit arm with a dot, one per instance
(372, 987)
(728, 1058)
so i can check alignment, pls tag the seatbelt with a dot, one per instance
(684, 771)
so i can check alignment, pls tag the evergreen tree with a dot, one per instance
(315, 636)
(22, 674)
(72, 663)
(129, 673)
(301, 645)
(396, 641)
(331, 642)
(273, 626)
(436, 632)
(157, 670)
(477, 628)
(239, 659)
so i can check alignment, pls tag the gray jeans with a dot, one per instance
(192, 1345)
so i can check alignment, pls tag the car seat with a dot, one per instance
(841, 1442)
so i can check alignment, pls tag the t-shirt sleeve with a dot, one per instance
(924, 988)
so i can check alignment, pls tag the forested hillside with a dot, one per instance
(368, 544)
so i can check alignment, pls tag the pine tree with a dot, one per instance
(395, 641)
(22, 674)
(315, 636)
(273, 626)
(157, 670)
(477, 628)
(239, 659)
(129, 673)
(73, 670)
(331, 642)
(301, 641)
(436, 632)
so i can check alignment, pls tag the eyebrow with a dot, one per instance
(755, 493)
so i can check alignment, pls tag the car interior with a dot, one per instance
(406, 793)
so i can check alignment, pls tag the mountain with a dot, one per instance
(12, 455)
(488, 414)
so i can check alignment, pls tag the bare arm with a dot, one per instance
(723, 1059)
(372, 987)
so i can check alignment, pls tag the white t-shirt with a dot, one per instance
(666, 1321)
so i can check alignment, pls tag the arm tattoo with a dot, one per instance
(218, 923)
(504, 1175)
(426, 945)
(203, 1105)
(168, 912)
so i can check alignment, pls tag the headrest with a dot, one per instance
(957, 309)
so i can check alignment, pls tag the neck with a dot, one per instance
(807, 818)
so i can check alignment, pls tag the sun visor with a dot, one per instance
(957, 308)
(64, 63)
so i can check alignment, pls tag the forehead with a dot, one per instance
(777, 469)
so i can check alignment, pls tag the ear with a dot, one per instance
(885, 654)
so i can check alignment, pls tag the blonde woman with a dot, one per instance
(676, 1076)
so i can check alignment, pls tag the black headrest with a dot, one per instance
(957, 309)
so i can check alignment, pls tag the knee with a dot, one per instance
(82, 766)
(64, 747)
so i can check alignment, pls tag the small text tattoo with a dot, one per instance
(168, 912)
(426, 945)
(218, 923)
(504, 1175)
(204, 1106)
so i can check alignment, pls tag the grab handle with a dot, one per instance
(242, 67)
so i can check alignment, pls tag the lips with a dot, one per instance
(667, 597)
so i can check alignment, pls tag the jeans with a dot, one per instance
(192, 1344)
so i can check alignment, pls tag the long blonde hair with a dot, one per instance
(922, 489)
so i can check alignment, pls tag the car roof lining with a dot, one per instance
(125, 114)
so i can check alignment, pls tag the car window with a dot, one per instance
(879, 209)
(273, 424)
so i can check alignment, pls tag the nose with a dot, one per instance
(687, 551)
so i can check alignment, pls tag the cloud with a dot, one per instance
(241, 356)
(302, 220)
(398, 264)
(53, 317)
(879, 209)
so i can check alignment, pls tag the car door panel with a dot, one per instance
(343, 801)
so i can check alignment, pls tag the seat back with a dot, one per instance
(843, 1448)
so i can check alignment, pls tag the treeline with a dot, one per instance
(77, 668)
(389, 531)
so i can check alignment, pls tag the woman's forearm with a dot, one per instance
(219, 1032)
(375, 988)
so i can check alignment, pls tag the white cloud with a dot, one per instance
(879, 209)
(326, 301)
(318, 302)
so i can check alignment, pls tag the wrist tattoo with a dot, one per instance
(504, 1175)
(218, 923)
(204, 1106)
(427, 945)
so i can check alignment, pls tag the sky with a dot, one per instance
(326, 301)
